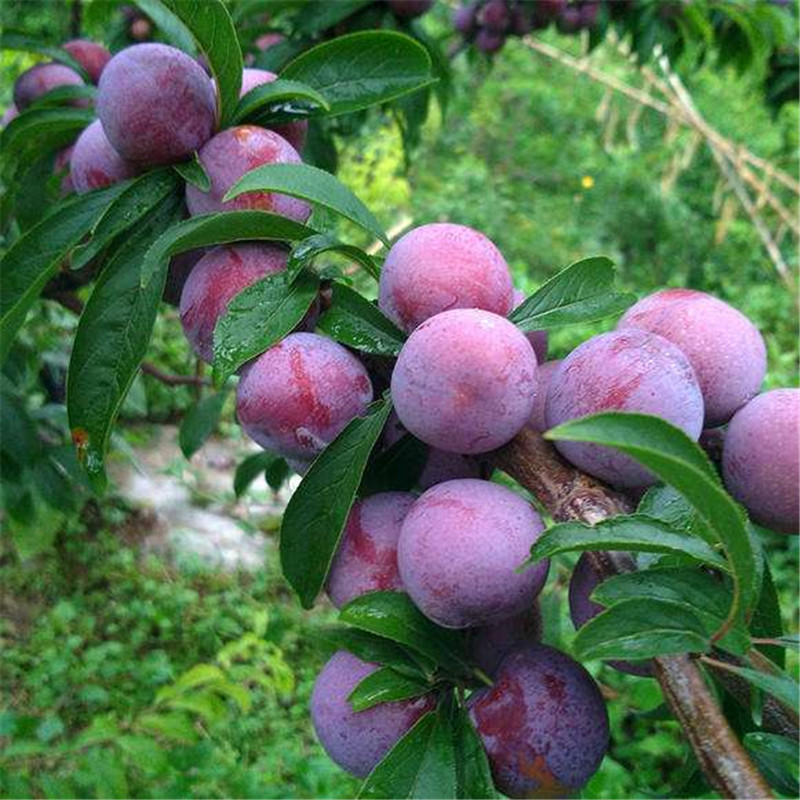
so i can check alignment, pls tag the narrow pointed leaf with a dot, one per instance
(363, 69)
(385, 686)
(135, 199)
(639, 629)
(259, 317)
(633, 532)
(21, 41)
(251, 468)
(212, 28)
(393, 615)
(272, 97)
(110, 343)
(220, 228)
(307, 250)
(704, 594)
(194, 173)
(316, 514)
(473, 774)
(200, 422)
(312, 184)
(583, 292)
(421, 765)
(36, 256)
(357, 323)
(779, 685)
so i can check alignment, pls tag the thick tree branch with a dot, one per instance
(570, 495)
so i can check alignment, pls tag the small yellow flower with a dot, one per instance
(587, 181)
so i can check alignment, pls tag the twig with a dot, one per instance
(174, 380)
(570, 495)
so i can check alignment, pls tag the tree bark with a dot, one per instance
(568, 494)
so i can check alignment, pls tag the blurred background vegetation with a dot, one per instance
(105, 646)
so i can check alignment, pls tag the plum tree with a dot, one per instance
(366, 559)
(232, 153)
(543, 723)
(358, 740)
(725, 349)
(294, 132)
(582, 609)
(299, 395)
(760, 460)
(544, 374)
(459, 549)
(94, 163)
(489, 644)
(41, 79)
(215, 280)
(156, 104)
(91, 56)
(539, 339)
(481, 392)
(439, 267)
(626, 370)
(440, 466)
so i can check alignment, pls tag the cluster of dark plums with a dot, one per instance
(488, 23)
(465, 383)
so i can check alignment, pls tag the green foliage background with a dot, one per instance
(92, 630)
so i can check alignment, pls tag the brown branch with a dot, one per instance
(174, 380)
(570, 495)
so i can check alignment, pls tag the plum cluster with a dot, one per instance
(488, 23)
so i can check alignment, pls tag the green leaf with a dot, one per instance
(317, 512)
(776, 758)
(135, 199)
(36, 255)
(200, 422)
(631, 532)
(364, 69)
(396, 468)
(377, 650)
(701, 593)
(251, 468)
(194, 172)
(112, 337)
(21, 41)
(319, 17)
(385, 686)
(394, 616)
(767, 621)
(212, 27)
(422, 764)
(779, 685)
(64, 95)
(220, 228)
(39, 130)
(473, 774)
(357, 323)
(306, 251)
(312, 184)
(169, 26)
(641, 628)
(669, 453)
(261, 101)
(583, 292)
(259, 317)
